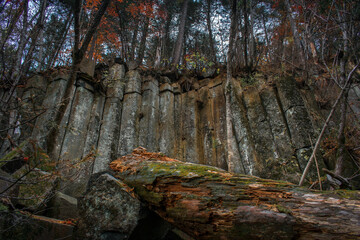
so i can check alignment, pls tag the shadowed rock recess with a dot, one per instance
(121, 110)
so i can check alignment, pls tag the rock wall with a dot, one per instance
(272, 122)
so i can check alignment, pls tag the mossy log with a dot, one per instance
(210, 203)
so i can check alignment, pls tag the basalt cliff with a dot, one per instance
(275, 123)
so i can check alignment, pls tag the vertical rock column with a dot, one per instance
(242, 132)
(93, 132)
(75, 137)
(166, 121)
(129, 132)
(298, 121)
(277, 121)
(189, 129)
(51, 103)
(149, 115)
(217, 96)
(111, 117)
(20, 115)
(178, 153)
(32, 107)
(260, 130)
(206, 128)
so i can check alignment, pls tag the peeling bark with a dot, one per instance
(210, 203)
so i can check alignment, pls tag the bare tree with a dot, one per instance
(211, 38)
(78, 55)
(180, 37)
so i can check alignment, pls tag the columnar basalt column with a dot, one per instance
(297, 117)
(149, 115)
(129, 131)
(166, 121)
(111, 117)
(45, 122)
(75, 138)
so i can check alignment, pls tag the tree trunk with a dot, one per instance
(246, 35)
(180, 37)
(61, 41)
(133, 41)
(299, 46)
(341, 138)
(266, 37)
(210, 203)
(123, 39)
(211, 40)
(35, 38)
(165, 48)
(22, 43)
(252, 37)
(26, 65)
(143, 41)
(12, 25)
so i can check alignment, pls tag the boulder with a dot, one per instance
(19, 226)
(108, 210)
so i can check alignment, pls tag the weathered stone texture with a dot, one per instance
(271, 123)
(107, 208)
(111, 117)
(129, 131)
(149, 115)
(167, 120)
(45, 121)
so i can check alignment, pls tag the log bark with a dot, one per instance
(210, 203)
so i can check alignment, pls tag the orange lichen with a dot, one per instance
(130, 161)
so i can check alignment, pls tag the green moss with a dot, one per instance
(3, 207)
(14, 153)
(249, 81)
(283, 209)
(34, 194)
(349, 194)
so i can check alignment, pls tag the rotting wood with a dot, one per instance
(210, 203)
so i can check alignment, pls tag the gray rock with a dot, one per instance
(129, 132)
(65, 207)
(88, 66)
(241, 129)
(149, 115)
(45, 122)
(166, 120)
(132, 65)
(260, 130)
(289, 93)
(17, 226)
(111, 117)
(209, 72)
(107, 210)
(35, 195)
(277, 123)
(7, 182)
(74, 142)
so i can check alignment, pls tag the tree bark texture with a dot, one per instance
(142, 46)
(211, 39)
(134, 40)
(295, 32)
(210, 203)
(180, 37)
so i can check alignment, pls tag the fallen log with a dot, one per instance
(210, 203)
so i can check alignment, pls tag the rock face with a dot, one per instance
(107, 210)
(271, 123)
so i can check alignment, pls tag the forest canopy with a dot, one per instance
(307, 36)
(316, 42)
